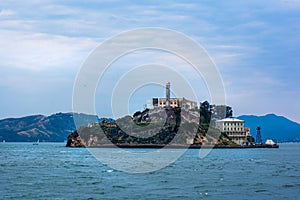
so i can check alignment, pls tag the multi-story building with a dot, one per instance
(171, 102)
(174, 102)
(234, 129)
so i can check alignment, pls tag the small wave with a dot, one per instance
(260, 191)
(291, 185)
(119, 186)
(96, 183)
(203, 193)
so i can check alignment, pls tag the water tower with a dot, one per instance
(168, 94)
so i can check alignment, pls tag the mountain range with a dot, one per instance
(277, 128)
(57, 127)
(53, 128)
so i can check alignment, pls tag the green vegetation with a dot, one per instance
(157, 126)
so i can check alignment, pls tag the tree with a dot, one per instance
(205, 113)
(137, 113)
(229, 112)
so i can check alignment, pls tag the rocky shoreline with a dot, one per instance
(75, 141)
(178, 146)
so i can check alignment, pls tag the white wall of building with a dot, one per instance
(234, 128)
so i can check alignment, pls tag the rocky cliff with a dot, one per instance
(151, 127)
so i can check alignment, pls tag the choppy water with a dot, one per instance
(52, 171)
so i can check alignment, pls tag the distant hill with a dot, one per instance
(273, 127)
(57, 127)
(53, 128)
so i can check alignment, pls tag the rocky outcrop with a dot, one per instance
(74, 140)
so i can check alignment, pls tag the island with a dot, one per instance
(170, 123)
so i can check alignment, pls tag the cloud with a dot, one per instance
(6, 13)
(38, 51)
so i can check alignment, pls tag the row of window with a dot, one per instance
(233, 124)
(172, 103)
(233, 129)
(232, 134)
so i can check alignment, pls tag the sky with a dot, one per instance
(254, 45)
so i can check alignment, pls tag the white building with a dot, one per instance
(174, 102)
(234, 129)
(171, 102)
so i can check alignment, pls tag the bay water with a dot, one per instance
(52, 171)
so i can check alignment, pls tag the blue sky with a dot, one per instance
(254, 44)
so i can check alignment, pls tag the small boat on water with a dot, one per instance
(271, 143)
(36, 143)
